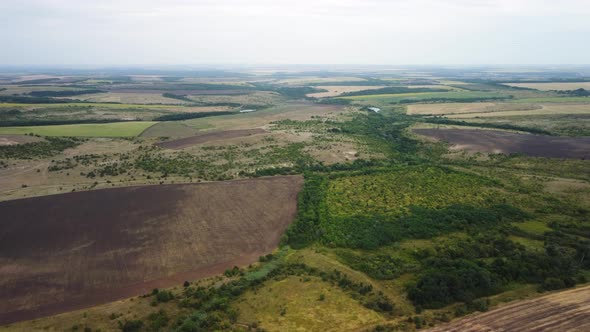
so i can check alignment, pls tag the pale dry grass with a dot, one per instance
(547, 109)
(552, 85)
(334, 90)
(129, 98)
(447, 108)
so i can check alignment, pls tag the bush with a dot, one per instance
(132, 326)
(164, 296)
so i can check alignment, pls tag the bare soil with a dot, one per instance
(18, 139)
(71, 251)
(563, 311)
(497, 141)
(208, 137)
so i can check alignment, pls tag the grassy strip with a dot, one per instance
(117, 129)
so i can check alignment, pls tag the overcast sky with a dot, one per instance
(76, 32)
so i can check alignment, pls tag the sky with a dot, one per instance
(402, 32)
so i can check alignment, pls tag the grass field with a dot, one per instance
(115, 129)
(315, 306)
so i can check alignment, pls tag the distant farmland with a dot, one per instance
(115, 129)
(497, 141)
(552, 85)
(69, 251)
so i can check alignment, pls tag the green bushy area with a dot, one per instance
(51, 146)
(419, 194)
(397, 191)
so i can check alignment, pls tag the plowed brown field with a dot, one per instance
(212, 136)
(497, 141)
(70, 251)
(563, 311)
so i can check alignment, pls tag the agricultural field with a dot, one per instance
(457, 109)
(552, 85)
(115, 129)
(146, 201)
(495, 141)
(562, 311)
(335, 90)
(109, 244)
(405, 98)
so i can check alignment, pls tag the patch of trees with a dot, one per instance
(187, 116)
(299, 92)
(175, 96)
(421, 223)
(64, 93)
(291, 92)
(311, 210)
(451, 99)
(448, 281)
(51, 146)
(45, 122)
(378, 266)
(38, 81)
(482, 265)
(334, 101)
(34, 100)
(576, 93)
(445, 121)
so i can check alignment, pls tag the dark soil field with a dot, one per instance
(563, 311)
(213, 136)
(75, 250)
(496, 141)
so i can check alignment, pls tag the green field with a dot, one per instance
(393, 193)
(116, 129)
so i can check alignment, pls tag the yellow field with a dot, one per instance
(335, 90)
(552, 85)
(129, 98)
(544, 110)
(447, 108)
